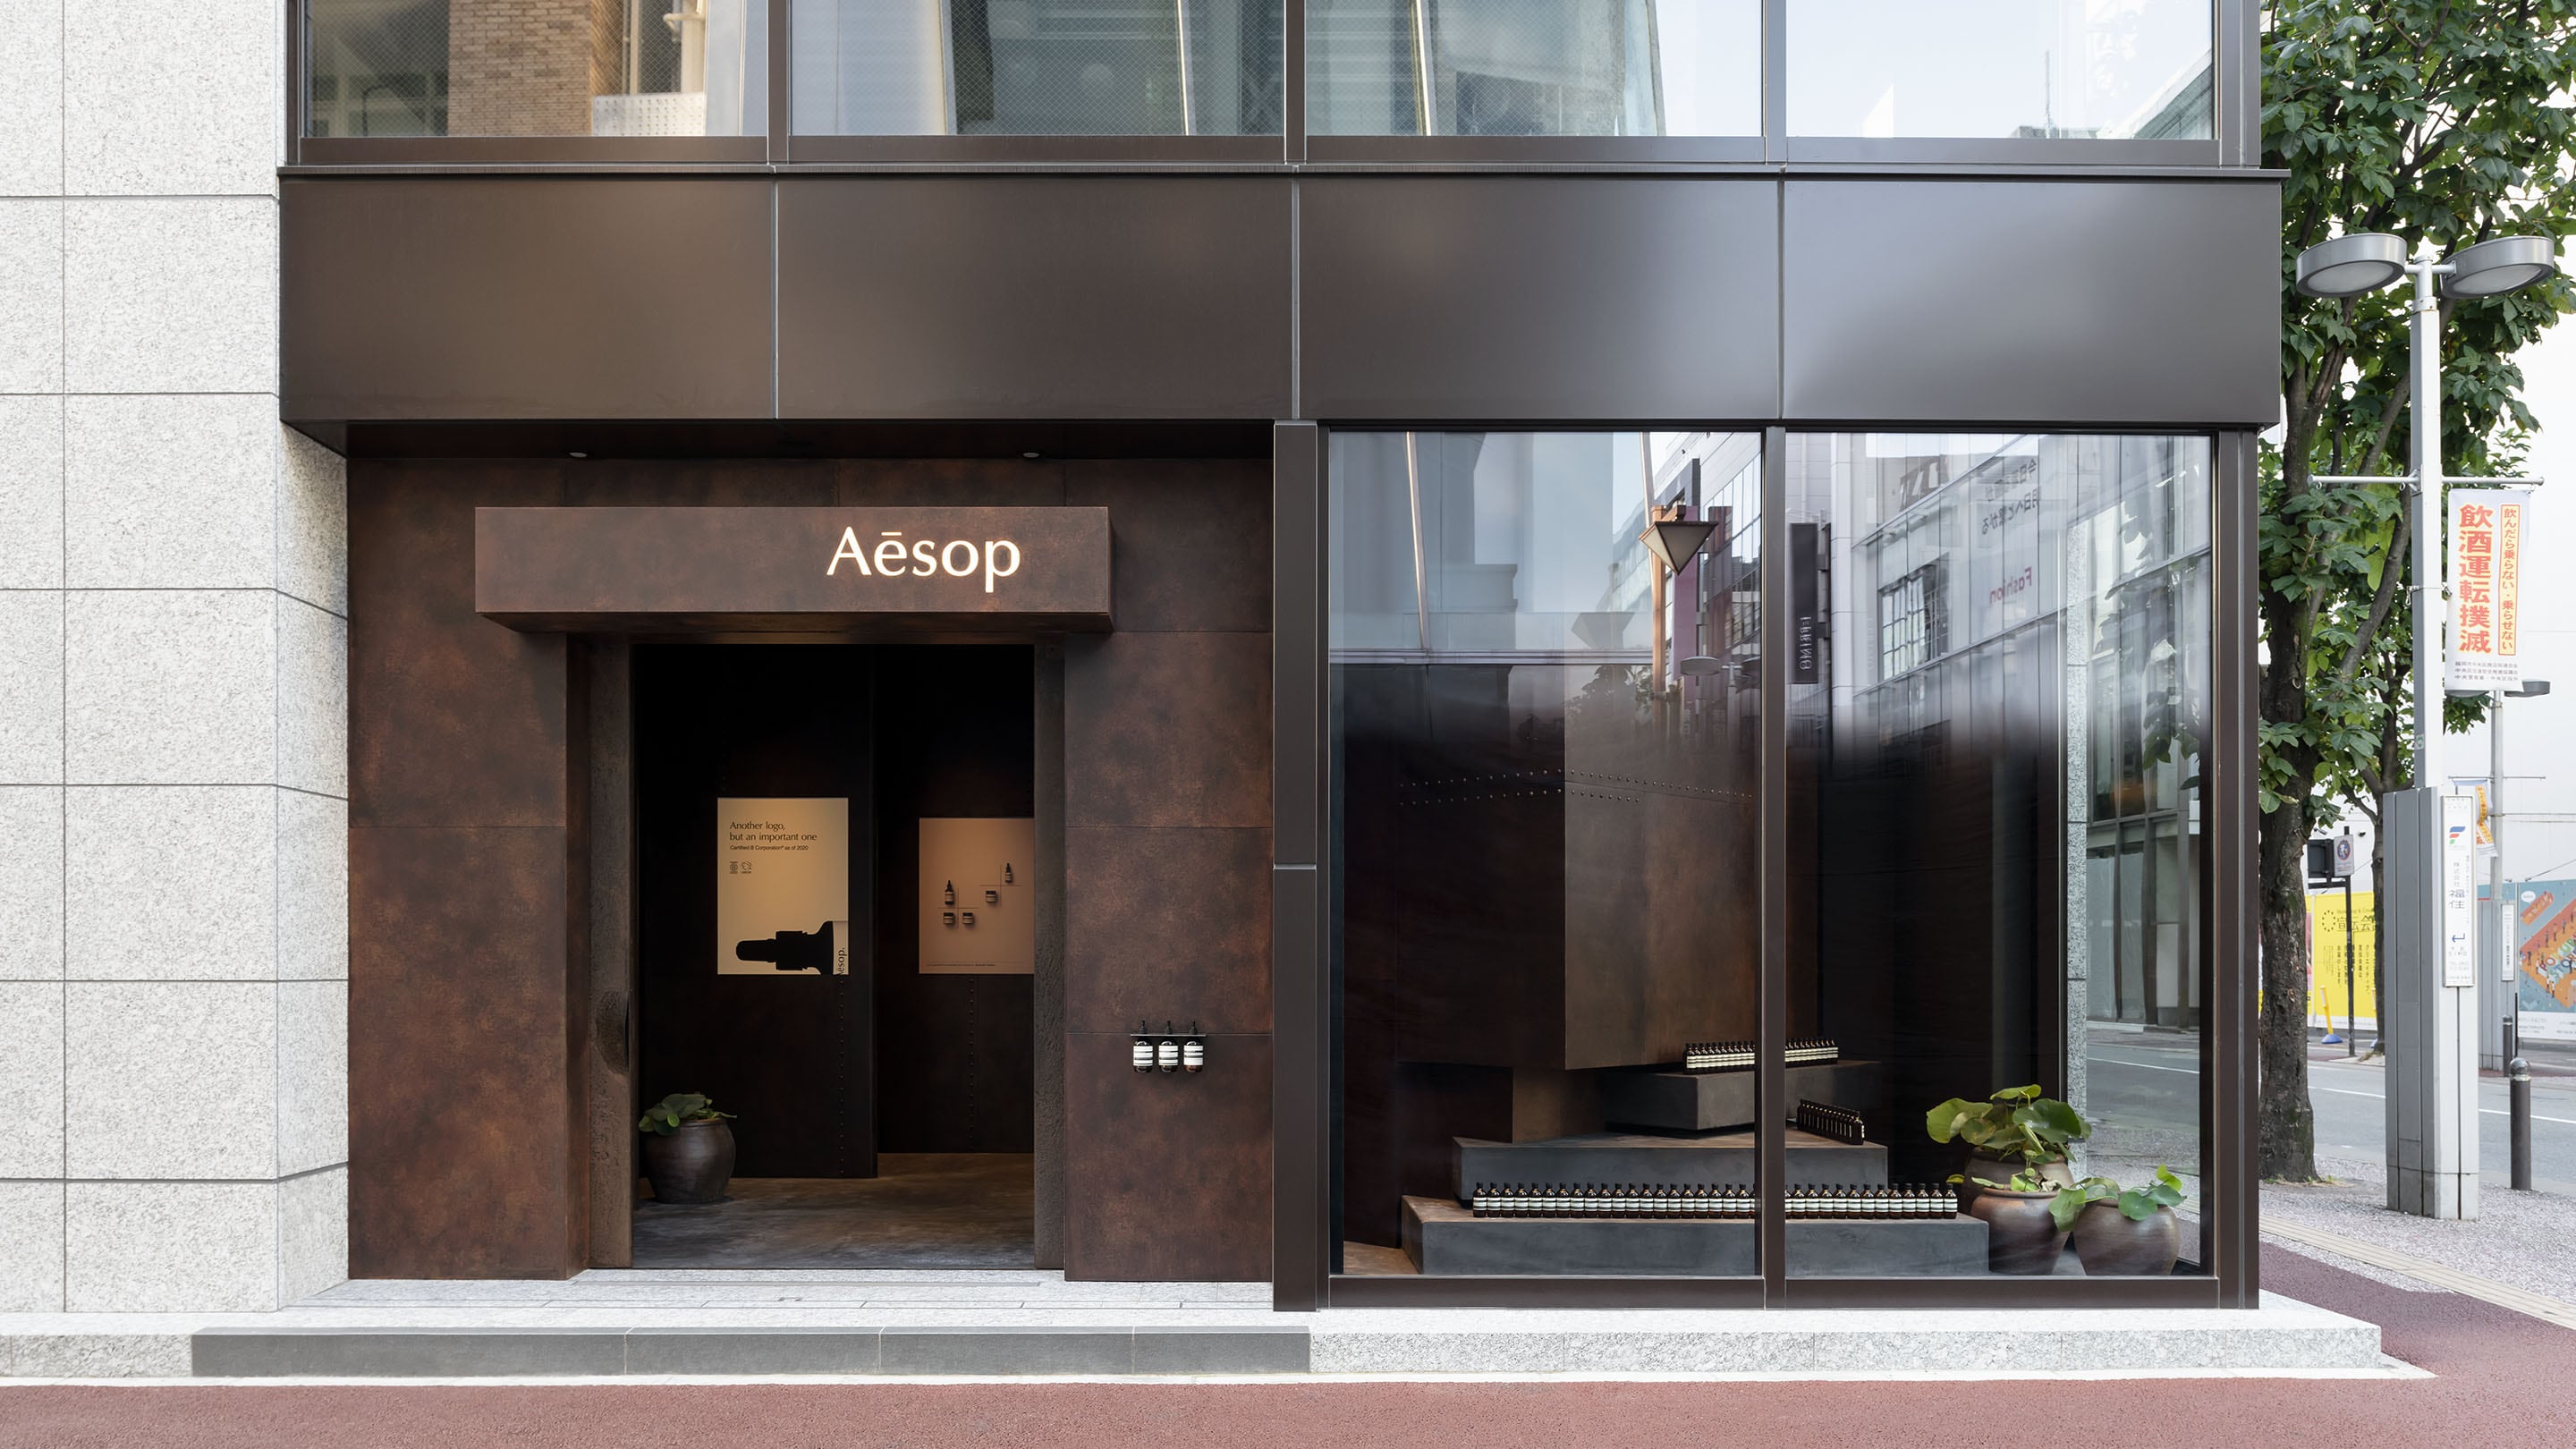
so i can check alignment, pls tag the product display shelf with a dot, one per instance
(1441, 1238)
(1631, 1157)
(1668, 1099)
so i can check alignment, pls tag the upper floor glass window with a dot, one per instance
(2052, 69)
(378, 68)
(1534, 67)
(1036, 67)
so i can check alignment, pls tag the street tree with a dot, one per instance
(2445, 122)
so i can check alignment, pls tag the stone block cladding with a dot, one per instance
(173, 637)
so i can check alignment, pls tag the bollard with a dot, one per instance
(2518, 1074)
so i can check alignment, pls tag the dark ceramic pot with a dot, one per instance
(690, 1165)
(2020, 1235)
(2111, 1245)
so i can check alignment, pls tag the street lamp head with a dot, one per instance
(2506, 264)
(2351, 265)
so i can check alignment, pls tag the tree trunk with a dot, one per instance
(2289, 1133)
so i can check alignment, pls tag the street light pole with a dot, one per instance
(2431, 1033)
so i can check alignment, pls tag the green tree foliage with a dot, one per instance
(2445, 122)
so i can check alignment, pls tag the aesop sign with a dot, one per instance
(737, 570)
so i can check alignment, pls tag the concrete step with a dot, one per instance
(1646, 1158)
(1445, 1239)
(1679, 1101)
(978, 1351)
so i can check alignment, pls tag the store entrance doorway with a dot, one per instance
(796, 965)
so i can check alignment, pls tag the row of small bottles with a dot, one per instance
(1707, 1200)
(1729, 1056)
(1168, 1051)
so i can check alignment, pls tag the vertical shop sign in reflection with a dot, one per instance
(1806, 624)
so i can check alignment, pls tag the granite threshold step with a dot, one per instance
(642, 1326)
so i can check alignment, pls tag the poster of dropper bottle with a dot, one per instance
(783, 886)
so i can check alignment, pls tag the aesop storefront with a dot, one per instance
(1501, 701)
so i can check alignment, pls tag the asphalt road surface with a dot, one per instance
(2145, 1080)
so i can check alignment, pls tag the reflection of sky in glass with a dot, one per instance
(1981, 68)
(1537, 67)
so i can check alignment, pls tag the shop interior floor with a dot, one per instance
(922, 1210)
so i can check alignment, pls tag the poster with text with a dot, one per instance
(2486, 543)
(783, 886)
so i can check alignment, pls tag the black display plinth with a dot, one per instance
(1679, 1101)
(1444, 1239)
(1642, 1159)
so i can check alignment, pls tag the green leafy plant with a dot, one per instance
(665, 1117)
(2137, 1204)
(2020, 1182)
(2016, 1124)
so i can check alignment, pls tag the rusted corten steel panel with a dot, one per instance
(791, 569)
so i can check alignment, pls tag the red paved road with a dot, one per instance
(2505, 1380)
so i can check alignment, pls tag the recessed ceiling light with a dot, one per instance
(1028, 455)
(576, 455)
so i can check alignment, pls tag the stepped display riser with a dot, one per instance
(1673, 1101)
(1446, 1240)
(1663, 1161)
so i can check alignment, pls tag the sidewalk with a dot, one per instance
(2518, 1240)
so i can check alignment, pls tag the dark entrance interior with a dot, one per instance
(884, 1118)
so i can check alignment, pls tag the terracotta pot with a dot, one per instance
(2110, 1244)
(692, 1164)
(2020, 1235)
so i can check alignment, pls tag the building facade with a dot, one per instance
(1586, 608)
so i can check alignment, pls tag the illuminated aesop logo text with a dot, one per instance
(998, 558)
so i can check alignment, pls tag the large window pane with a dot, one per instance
(536, 68)
(1534, 67)
(1546, 855)
(1995, 778)
(1989, 68)
(1036, 67)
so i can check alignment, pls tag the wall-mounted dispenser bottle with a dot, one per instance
(1167, 1052)
(1142, 1054)
(1194, 1050)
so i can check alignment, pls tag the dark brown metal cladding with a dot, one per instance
(459, 1160)
(453, 719)
(496, 297)
(1171, 1173)
(1011, 482)
(1168, 923)
(1190, 538)
(1168, 729)
(1033, 297)
(789, 568)
(1562, 297)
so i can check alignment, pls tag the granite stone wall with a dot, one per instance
(173, 761)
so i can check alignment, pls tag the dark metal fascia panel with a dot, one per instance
(1568, 298)
(503, 298)
(1959, 301)
(2231, 1129)
(1033, 297)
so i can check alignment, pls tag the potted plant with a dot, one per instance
(688, 1149)
(2122, 1232)
(2016, 1167)
(2015, 1132)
